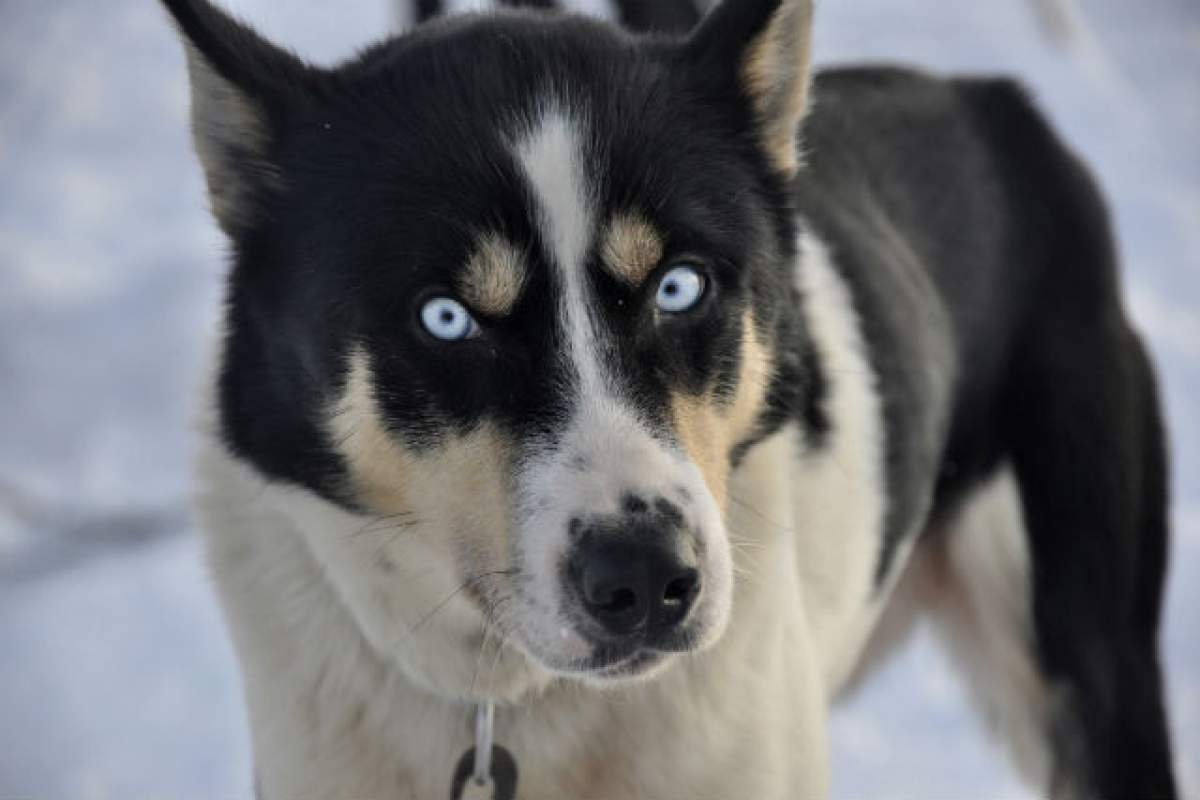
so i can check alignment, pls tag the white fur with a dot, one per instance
(552, 156)
(839, 493)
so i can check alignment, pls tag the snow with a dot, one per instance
(116, 677)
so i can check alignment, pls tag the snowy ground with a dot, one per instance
(115, 677)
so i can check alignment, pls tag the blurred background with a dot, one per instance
(116, 678)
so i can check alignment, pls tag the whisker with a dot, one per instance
(492, 623)
(746, 544)
(747, 574)
(496, 658)
(463, 587)
(381, 550)
(387, 522)
(483, 640)
(756, 512)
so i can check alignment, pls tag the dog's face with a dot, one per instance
(512, 286)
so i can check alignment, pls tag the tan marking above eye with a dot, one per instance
(631, 248)
(494, 276)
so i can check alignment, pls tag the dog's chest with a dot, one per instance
(743, 720)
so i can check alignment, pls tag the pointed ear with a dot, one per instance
(241, 85)
(767, 45)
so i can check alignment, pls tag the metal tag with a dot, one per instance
(503, 783)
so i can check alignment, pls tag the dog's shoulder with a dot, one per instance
(956, 214)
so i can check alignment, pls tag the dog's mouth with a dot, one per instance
(617, 663)
(635, 665)
(616, 660)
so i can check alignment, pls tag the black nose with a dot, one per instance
(629, 586)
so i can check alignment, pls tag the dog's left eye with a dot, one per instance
(680, 289)
(448, 320)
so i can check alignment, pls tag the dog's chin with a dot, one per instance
(642, 665)
(608, 665)
(611, 667)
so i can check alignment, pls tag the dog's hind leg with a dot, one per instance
(1049, 579)
(974, 578)
(1088, 453)
(1058, 653)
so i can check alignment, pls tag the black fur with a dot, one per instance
(673, 16)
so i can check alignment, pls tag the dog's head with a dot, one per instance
(513, 286)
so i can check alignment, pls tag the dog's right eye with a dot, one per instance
(446, 319)
(680, 289)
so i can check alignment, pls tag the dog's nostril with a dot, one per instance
(619, 601)
(632, 504)
(682, 590)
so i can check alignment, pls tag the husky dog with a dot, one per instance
(643, 385)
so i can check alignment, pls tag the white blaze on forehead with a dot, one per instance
(604, 434)
(551, 153)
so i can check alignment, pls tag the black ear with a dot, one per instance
(767, 47)
(241, 87)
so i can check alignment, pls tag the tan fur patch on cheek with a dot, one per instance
(709, 429)
(461, 490)
(631, 249)
(754, 378)
(466, 488)
(494, 277)
(698, 426)
(380, 468)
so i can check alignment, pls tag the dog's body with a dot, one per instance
(894, 379)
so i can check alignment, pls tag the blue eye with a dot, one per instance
(448, 320)
(680, 290)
